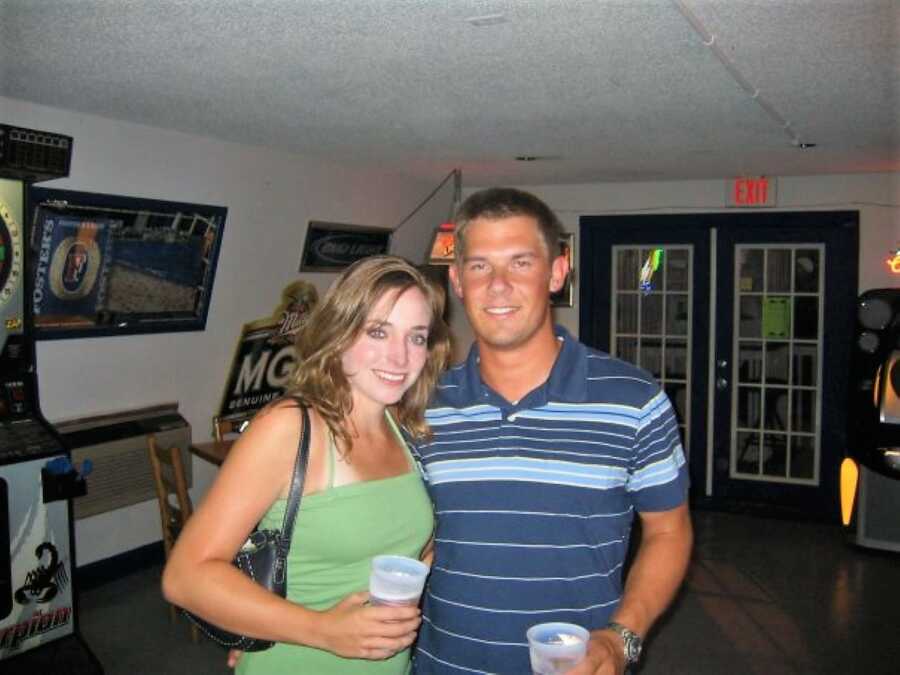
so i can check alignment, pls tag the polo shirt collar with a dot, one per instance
(567, 382)
(568, 378)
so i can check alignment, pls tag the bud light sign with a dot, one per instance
(334, 246)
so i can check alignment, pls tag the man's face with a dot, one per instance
(505, 280)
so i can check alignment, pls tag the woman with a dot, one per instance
(376, 342)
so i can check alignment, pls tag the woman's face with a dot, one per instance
(390, 351)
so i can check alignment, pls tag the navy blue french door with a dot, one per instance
(747, 323)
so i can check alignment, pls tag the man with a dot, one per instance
(543, 449)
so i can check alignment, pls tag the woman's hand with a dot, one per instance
(356, 630)
(234, 657)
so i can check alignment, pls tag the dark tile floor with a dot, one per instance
(764, 597)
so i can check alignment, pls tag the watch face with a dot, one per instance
(632, 648)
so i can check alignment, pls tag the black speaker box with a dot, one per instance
(33, 156)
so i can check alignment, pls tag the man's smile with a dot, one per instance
(500, 311)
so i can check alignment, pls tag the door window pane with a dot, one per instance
(778, 270)
(676, 314)
(806, 270)
(750, 364)
(777, 362)
(750, 317)
(651, 314)
(776, 310)
(775, 418)
(626, 313)
(803, 410)
(627, 269)
(676, 360)
(806, 318)
(626, 349)
(774, 455)
(750, 270)
(651, 356)
(748, 407)
(806, 368)
(677, 269)
(803, 457)
(747, 452)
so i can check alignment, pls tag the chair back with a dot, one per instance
(225, 428)
(171, 490)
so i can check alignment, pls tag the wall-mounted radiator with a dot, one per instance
(117, 445)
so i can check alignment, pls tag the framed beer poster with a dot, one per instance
(111, 265)
(264, 357)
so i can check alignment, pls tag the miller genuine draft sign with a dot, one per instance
(264, 358)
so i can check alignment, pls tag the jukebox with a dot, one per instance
(870, 476)
(38, 627)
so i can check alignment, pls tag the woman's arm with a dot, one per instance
(199, 575)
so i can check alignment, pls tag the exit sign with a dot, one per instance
(751, 192)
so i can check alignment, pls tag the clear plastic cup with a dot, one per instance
(396, 580)
(556, 647)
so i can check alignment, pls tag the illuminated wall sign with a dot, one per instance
(893, 262)
(751, 192)
(443, 246)
(330, 247)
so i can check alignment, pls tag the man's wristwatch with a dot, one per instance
(632, 640)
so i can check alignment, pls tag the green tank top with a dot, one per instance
(337, 533)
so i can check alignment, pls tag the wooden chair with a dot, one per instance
(174, 501)
(225, 429)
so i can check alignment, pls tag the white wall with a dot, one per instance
(875, 196)
(270, 197)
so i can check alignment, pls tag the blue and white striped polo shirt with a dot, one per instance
(534, 503)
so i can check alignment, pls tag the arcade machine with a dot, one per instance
(38, 614)
(870, 476)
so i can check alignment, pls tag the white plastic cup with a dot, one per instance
(556, 647)
(396, 580)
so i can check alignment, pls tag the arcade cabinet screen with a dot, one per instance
(108, 265)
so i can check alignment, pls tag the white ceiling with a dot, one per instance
(607, 90)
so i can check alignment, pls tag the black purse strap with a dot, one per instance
(296, 489)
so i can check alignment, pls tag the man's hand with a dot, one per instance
(605, 655)
(234, 655)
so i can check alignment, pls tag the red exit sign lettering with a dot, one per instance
(751, 191)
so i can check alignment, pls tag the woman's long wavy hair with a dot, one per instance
(334, 325)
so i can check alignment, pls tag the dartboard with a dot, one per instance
(10, 255)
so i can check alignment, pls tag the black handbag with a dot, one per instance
(263, 557)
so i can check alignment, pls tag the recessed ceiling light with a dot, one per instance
(487, 20)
